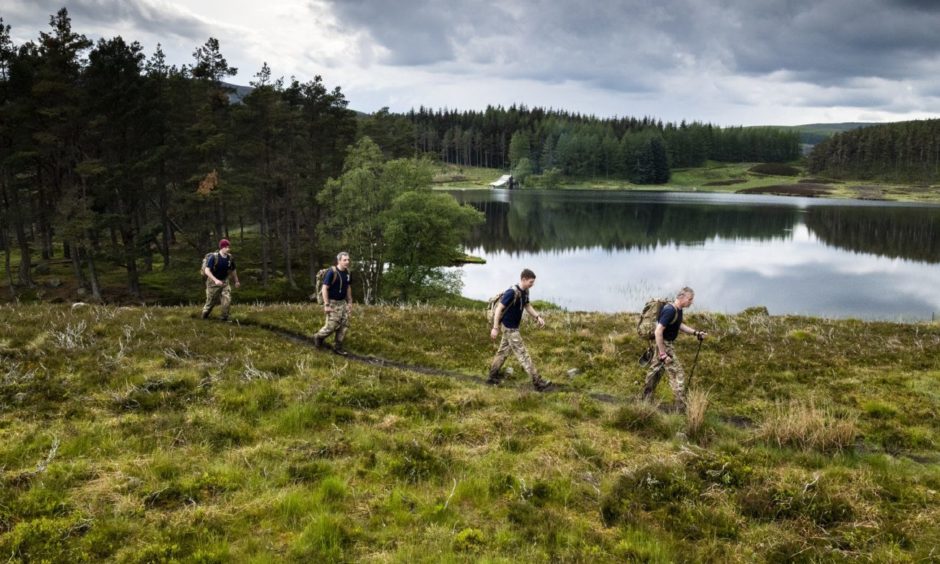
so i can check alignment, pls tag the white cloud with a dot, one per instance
(738, 62)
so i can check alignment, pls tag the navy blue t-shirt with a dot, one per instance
(666, 317)
(220, 266)
(337, 288)
(512, 314)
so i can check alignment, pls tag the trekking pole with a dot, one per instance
(688, 385)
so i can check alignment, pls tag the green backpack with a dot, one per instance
(646, 325)
(321, 275)
(205, 263)
(494, 302)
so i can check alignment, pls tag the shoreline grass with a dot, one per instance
(726, 178)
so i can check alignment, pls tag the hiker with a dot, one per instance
(668, 327)
(218, 290)
(509, 313)
(337, 303)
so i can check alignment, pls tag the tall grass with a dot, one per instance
(802, 425)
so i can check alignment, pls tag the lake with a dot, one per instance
(610, 251)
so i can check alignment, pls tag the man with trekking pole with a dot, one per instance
(668, 327)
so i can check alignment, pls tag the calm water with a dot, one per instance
(610, 251)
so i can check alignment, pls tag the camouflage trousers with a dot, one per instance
(221, 295)
(337, 321)
(512, 341)
(675, 371)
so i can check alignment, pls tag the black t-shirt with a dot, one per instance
(671, 321)
(512, 314)
(337, 288)
(220, 265)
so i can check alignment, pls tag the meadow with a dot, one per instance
(144, 434)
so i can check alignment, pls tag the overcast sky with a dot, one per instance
(729, 62)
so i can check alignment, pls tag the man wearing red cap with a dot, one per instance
(218, 266)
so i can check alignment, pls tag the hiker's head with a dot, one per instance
(685, 297)
(224, 245)
(342, 260)
(526, 279)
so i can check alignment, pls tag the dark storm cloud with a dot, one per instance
(631, 44)
(32, 16)
(834, 41)
(606, 46)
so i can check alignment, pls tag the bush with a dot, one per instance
(642, 418)
(647, 488)
(776, 169)
(415, 462)
(469, 540)
(323, 540)
(797, 497)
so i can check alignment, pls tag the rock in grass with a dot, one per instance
(572, 372)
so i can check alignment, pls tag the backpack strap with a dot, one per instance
(676, 313)
(517, 293)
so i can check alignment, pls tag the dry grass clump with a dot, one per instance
(696, 406)
(805, 426)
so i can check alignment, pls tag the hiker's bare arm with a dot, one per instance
(533, 313)
(497, 315)
(349, 296)
(215, 280)
(235, 278)
(660, 342)
(689, 331)
(324, 291)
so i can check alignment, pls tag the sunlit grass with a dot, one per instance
(145, 434)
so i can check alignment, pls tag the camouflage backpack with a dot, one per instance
(646, 325)
(205, 263)
(494, 302)
(321, 275)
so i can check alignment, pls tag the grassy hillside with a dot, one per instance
(144, 434)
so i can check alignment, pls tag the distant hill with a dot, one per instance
(237, 93)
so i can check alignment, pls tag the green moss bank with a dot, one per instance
(145, 434)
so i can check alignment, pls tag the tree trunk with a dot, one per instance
(25, 275)
(6, 263)
(288, 270)
(313, 267)
(93, 274)
(130, 260)
(76, 265)
(265, 252)
(219, 227)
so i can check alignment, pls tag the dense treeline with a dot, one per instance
(587, 146)
(907, 150)
(106, 154)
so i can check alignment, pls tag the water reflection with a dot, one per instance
(610, 251)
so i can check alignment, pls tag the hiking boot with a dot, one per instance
(679, 406)
(338, 349)
(318, 341)
(205, 314)
(542, 385)
(494, 378)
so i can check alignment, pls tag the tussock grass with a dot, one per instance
(803, 425)
(696, 408)
(194, 441)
